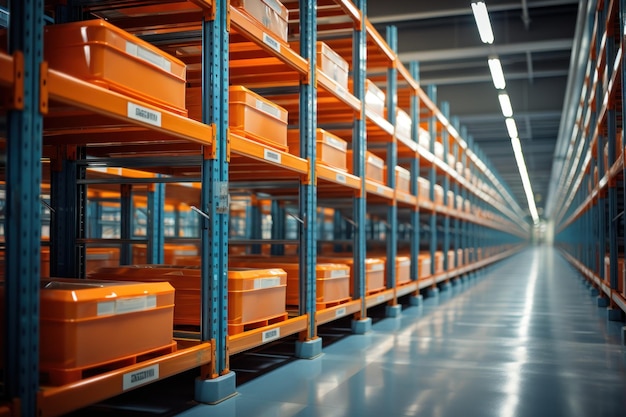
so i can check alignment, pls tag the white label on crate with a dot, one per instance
(148, 56)
(267, 108)
(274, 5)
(377, 267)
(339, 273)
(341, 92)
(106, 308)
(261, 283)
(131, 305)
(377, 162)
(380, 298)
(341, 178)
(144, 114)
(335, 143)
(271, 42)
(140, 377)
(272, 156)
(340, 312)
(270, 335)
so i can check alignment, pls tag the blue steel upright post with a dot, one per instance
(310, 345)
(393, 309)
(457, 220)
(431, 91)
(22, 216)
(359, 145)
(218, 382)
(417, 298)
(156, 219)
(445, 109)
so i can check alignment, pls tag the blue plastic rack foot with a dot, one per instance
(214, 391)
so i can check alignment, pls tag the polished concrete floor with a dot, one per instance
(523, 339)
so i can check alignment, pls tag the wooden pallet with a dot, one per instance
(236, 328)
(64, 376)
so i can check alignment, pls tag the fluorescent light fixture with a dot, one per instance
(482, 21)
(496, 73)
(511, 127)
(523, 172)
(505, 105)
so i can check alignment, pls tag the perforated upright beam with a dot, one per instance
(415, 173)
(359, 146)
(431, 90)
(308, 193)
(156, 219)
(392, 161)
(219, 382)
(445, 109)
(22, 216)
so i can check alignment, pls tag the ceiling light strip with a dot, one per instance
(523, 172)
(482, 21)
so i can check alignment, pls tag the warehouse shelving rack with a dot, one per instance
(590, 218)
(223, 46)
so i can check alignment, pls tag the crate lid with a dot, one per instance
(403, 172)
(73, 299)
(331, 140)
(243, 95)
(245, 279)
(328, 52)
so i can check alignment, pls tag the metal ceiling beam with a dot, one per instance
(437, 14)
(486, 51)
(471, 79)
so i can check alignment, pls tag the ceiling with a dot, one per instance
(533, 39)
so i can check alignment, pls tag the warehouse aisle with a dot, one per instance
(526, 339)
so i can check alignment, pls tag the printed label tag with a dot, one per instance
(144, 114)
(140, 377)
(270, 335)
(340, 312)
(271, 42)
(267, 108)
(272, 156)
(341, 178)
(380, 298)
(261, 283)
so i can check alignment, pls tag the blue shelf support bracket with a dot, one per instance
(126, 223)
(415, 173)
(278, 227)
(359, 146)
(156, 220)
(309, 345)
(392, 161)
(216, 381)
(23, 209)
(67, 258)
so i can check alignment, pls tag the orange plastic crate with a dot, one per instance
(253, 294)
(100, 53)
(331, 150)
(403, 124)
(403, 269)
(438, 194)
(424, 264)
(459, 256)
(620, 273)
(257, 118)
(423, 188)
(85, 323)
(424, 138)
(403, 179)
(374, 167)
(332, 64)
(450, 199)
(451, 256)
(374, 272)
(438, 262)
(374, 98)
(173, 254)
(270, 13)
